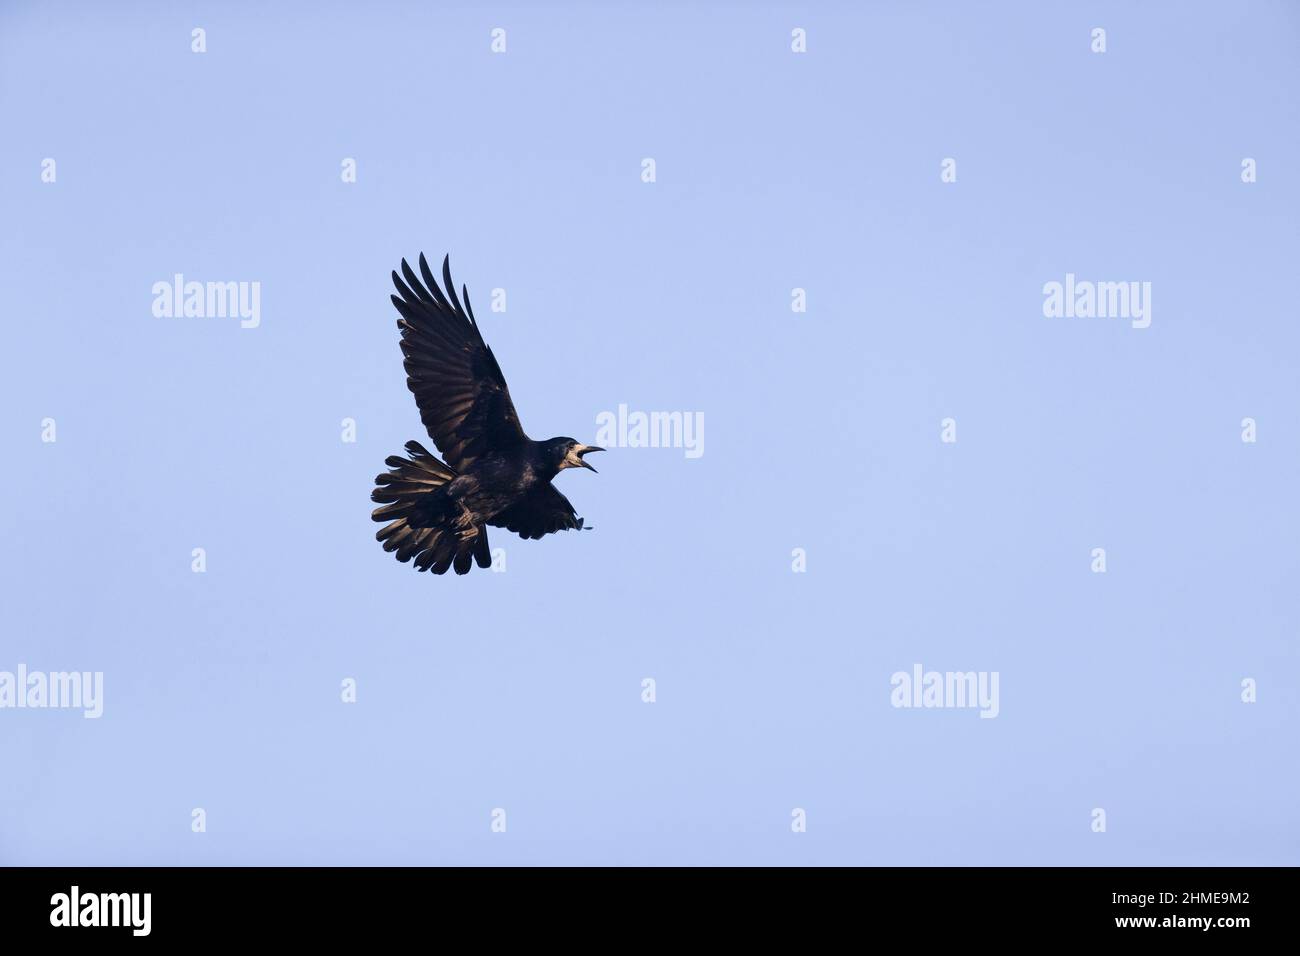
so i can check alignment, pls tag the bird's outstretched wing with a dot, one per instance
(457, 383)
(538, 513)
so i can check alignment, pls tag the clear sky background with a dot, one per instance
(522, 690)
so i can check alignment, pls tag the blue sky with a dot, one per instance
(773, 171)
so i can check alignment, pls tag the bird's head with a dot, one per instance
(568, 453)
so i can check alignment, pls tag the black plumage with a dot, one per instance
(492, 473)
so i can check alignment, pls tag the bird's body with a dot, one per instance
(494, 484)
(494, 474)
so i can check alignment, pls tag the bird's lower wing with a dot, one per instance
(540, 512)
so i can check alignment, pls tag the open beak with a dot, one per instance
(582, 450)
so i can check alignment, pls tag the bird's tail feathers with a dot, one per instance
(421, 520)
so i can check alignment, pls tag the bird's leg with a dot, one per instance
(465, 524)
(460, 518)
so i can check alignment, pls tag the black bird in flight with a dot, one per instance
(494, 474)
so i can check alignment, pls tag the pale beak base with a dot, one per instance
(575, 456)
